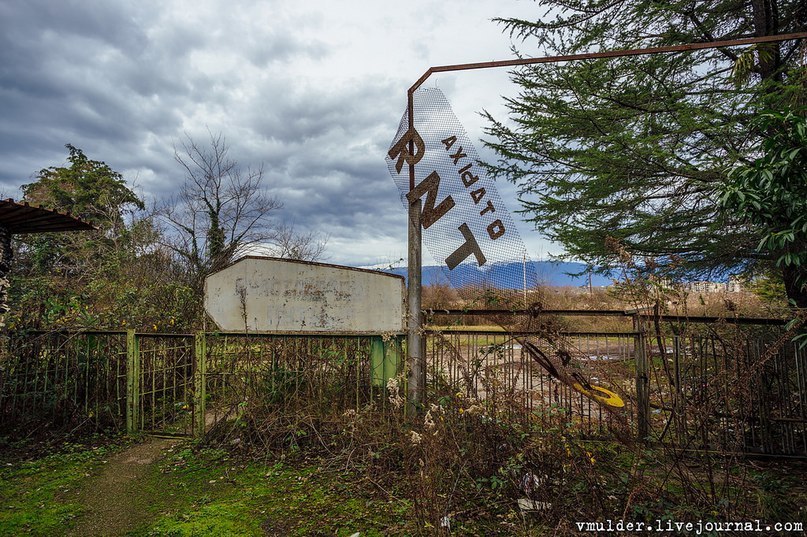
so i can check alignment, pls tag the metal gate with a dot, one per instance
(164, 384)
(119, 380)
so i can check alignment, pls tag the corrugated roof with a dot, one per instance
(24, 218)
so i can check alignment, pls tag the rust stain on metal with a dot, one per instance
(607, 54)
(22, 218)
(269, 294)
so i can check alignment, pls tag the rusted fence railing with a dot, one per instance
(722, 384)
(183, 383)
(65, 378)
(687, 382)
(493, 368)
(727, 390)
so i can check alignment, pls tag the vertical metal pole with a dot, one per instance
(199, 385)
(377, 358)
(642, 387)
(414, 341)
(132, 382)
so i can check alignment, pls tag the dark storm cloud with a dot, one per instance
(324, 156)
(109, 76)
(74, 73)
(311, 91)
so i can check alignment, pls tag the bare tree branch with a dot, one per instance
(223, 212)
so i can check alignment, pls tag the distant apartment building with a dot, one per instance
(731, 286)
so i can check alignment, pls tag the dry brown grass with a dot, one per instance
(673, 301)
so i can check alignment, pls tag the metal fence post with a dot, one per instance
(377, 377)
(642, 381)
(199, 384)
(385, 359)
(132, 382)
(415, 342)
(393, 350)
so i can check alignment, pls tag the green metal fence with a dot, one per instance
(181, 384)
(64, 378)
(279, 370)
(162, 396)
(699, 386)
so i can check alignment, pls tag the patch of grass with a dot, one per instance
(200, 491)
(212, 494)
(196, 490)
(34, 494)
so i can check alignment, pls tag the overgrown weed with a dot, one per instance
(464, 466)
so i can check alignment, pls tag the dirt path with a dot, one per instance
(114, 498)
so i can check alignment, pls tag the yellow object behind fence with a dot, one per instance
(601, 394)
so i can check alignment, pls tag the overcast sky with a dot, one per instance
(312, 89)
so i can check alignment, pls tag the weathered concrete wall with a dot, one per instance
(265, 294)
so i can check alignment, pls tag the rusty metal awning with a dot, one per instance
(21, 218)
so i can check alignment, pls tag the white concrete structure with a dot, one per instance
(733, 285)
(264, 294)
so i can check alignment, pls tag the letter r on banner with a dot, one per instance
(400, 150)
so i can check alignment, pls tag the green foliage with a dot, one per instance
(636, 149)
(114, 277)
(768, 287)
(89, 189)
(770, 194)
(279, 384)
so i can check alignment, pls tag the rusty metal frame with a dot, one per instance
(415, 341)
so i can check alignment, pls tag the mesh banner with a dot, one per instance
(470, 233)
(466, 226)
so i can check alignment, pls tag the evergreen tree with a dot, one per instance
(637, 150)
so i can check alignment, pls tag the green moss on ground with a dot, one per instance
(199, 492)
(35, 495)
(194, 490)
(212, 494)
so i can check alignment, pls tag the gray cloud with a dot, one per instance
(312, 91)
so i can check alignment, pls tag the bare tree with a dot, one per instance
(290, 244)
(221, 211)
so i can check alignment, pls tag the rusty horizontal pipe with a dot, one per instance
(606, 54)
(612, 313)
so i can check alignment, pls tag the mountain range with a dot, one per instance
(509, 275)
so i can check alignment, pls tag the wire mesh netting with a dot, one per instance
(466, 226)
(470, 233)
